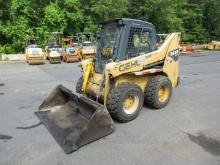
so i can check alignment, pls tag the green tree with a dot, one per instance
(192, 16)
(54, 18)
(162, 13)
(211, 19)
(4, 17)
(74, 17)
(16, 28)
(104, 10)
(198, 20)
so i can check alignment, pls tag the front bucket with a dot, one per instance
(74, 120)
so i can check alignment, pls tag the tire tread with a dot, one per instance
(114, 99)
(150, 93)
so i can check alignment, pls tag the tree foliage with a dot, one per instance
(198, 20)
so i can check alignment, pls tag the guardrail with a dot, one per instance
(12, 57)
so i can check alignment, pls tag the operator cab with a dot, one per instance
(86, 39)
(122, 39)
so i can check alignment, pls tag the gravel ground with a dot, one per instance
(185, 132)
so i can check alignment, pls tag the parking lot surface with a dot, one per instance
(187, 131)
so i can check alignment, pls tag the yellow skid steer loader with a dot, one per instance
(127, 71)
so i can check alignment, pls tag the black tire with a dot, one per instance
(79, 85)
(214, 47)
(50, 60)
(155, 83)
(116, 98)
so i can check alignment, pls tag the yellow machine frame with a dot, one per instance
(34, 59)
(123, 87)
(133, 70)
(213, 45)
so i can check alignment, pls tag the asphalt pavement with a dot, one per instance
(187, 131)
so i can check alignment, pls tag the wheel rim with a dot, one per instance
(163, 93)
(131, 103)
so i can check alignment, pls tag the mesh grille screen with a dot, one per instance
(139, 41)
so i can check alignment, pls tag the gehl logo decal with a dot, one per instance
(128, 65)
